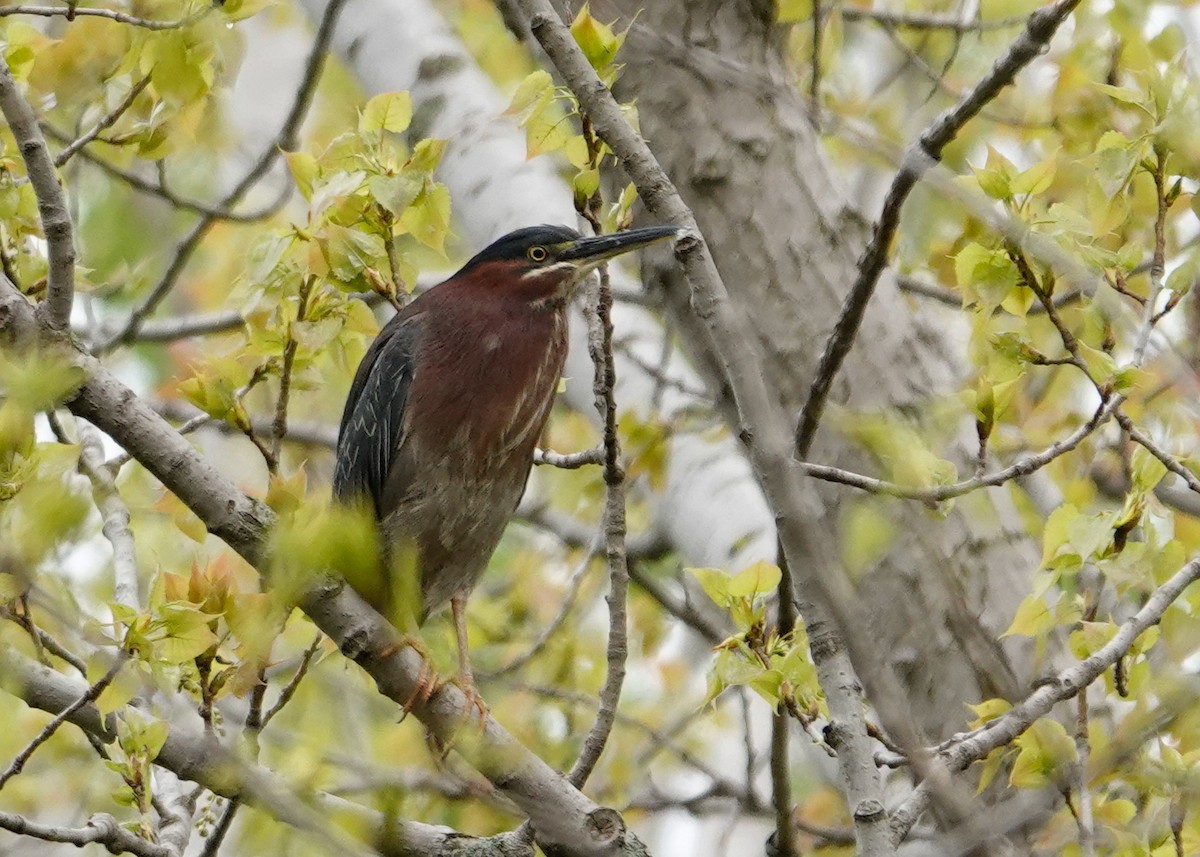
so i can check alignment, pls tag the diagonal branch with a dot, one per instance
(52, 204)
(927, 151)
(106, 121)
(1067, 684)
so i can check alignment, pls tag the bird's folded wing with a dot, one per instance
(373, 424)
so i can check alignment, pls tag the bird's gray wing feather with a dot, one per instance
(372, 432)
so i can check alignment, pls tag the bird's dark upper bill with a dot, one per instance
(607, 246)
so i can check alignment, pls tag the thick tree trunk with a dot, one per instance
(720, 114)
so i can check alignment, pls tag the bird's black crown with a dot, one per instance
(515, 245)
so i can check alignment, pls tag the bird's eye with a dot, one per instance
(537, 254)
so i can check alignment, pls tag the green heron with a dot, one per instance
(448, 403)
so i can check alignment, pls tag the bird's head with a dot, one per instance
(544, 264)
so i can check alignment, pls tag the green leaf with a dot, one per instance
(989, 709)
(761, 578)
(397, 192)
(715, 582)
(428, 218)
(546, 130)
(1033, 618)
(536, 88)
(987, 276)
(1036, 179)
(303, 167)
(866, 534)
(1146, 470)
(793, 11)
(597, 41)
(1045, 752)
(388, 111)
(348, 252)
(427, 154)
(1124, 94)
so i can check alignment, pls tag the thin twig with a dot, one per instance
(55, 311)
(90, 695)
(279, 426)
(927, 151)
(938, 493)
(289, 689)
(161, 191)
(917, 21)
(574, 584)
(72, 11)
(614, 527)
(569, 460)
(43, 640)
(105, 121)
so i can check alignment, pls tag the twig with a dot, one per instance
(43, 640)
(285, 141)
(279, 426)
(781, 775)
(814, 107)
(289, 689)
(1172, 463)
(72, 11)
(90, 695)
(215, 838)
(105, 121)
(938, 493)
(574, 584)
(55, 311)
(160, 190)
(569, 460)
(1071, 681)
(927, 151)
(101, 828)
(600, 333)
(917, 21)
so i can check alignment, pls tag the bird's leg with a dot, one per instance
(426, 684)
(466, 679)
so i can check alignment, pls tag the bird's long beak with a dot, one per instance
(589, 252)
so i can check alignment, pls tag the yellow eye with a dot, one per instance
(537, 254)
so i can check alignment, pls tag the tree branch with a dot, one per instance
(105, 121)
(600, 346)
(52, 204)
(193, 754)
(101, 829)
(1071, 681)
(72, 11)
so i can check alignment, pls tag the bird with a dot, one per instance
(438, 432)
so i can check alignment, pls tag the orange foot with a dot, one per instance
(426, 686)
